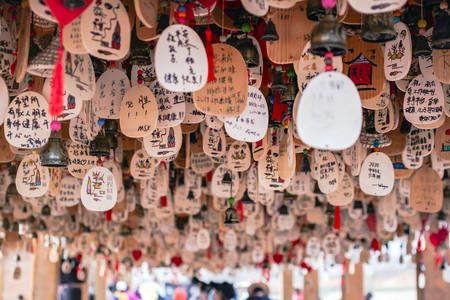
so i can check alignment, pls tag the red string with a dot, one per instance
(55, 106)
(163, 201)
(209, 50)
(337, 218)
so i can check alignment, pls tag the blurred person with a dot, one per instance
(258, 291)
(122, 293)
(222, 291)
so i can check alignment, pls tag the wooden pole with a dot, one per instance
(100, 284)
(353, 284)
(287, 283)
(311, 287)
(46, 273)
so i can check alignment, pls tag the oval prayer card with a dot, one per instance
(426, 191)
(79, 77)
(398, 54)
(138, 112)
(424, 101)
(180, 59)
(226, 96)
(330, 114)
(71, 105)
(32, 180)
(251, 125)
(109, 93)
(27, 122)
(105, 30)
(99, 189)
(371, 7)
(171, 105)
(163, 141)
(377, 175)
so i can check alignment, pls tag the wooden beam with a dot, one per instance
(46, 275)
(287, 283)
(353, 284)
(100, 283)
(311, 285)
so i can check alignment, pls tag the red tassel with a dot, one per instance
(108, 215)
(163, 201)
(240, 210)
(55, 106)
(278, 108)
(209, 176)
(375, 246)
(164, 164)
(209, 51)
(14, 65)
(337, 218)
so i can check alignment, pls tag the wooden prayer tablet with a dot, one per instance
(426, 61)
(163, 142)
(424, 101)
(23, 44)
(379, 102)
(441, 65)
(6, 154)
(400, 171)
(442, 140)
(192, 115)
(180, 60)
(434, 125)
(72, 105)
(344, 194)
(421, 141)
(32, 179)
(363, 64)
(27, 122)
(327, 171)
(238, 156)
(281, 3)
(375, 7)
(268, 170)
(79, 160)
(286, 159)
(384, 118)
(227, 95)
(311, 65)
(224, 189)
(111, 88)
(222, 19)
(330, 105)
(99, 189)
(4, 94)
(147, 11)
(426, 191)
(260, 8)
(377, 175)
(131, 11)
(138, 112)
(294, 30)
(72, 39)
(6, 39)
(398, 144)
(398, 54)
(171, 105)
(41, 9)
(251, 124)
(70, 192)
(79, 77)
(107, 37)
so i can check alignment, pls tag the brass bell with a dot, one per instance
(125, 230)
(99, 146)
(226, 179)
(284, 210)
(242, 17)
(73, 4)
(357, 204)
(328, 35)
(46, 211)
(231, 216)
(190, 196)
(330, 210)
(270, 100)
(112, 140)
(315, 11)
(163, 23)
(378, 28)
(140, 212)
(246, 199)
(421, 47)
(99, 66)
(5, 223)
(289, 94)
(140, 54)
(248, 52)
(370, 208)
(278, 83)
(411, 18)
(11, 192)
(54, 154)
(270, 33)
(14, 227)
(441, 33)
(233, 40)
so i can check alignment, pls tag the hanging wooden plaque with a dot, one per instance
(426, 191)
(441, 65)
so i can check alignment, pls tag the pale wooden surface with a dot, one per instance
(46, 276)
(311, 290)
(100, 284)
(353, 284)
(287, 283)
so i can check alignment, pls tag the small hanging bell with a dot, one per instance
(233, 40)
(226, 179)
(278, 82)
(378, 28)
(270, 33)
(140, 212)
(421, 47)
(14, 227)
(411, 17)
(5, 223)
(431, 4)
(125, 230)
(11, 192)
(447, 193)
(242, 17)
(284, 210)
(190, 196)
(315, 11)
(248, 52)
(231, 216)
(246, 199)
(328, 36)
(42, 226)
(46, 211)
(441, 33)
(73, 4)
(330, 210)
(54, 154)
(305, 164)
(99, 146)
(357, 205)
(370, 208)
(289, 94)
(140, 54)
(163, 23)
(318, 204)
